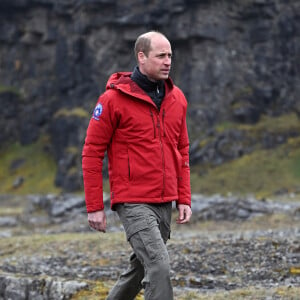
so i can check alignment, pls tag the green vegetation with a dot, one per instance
(250, 293)
(31, 165)
(9, 89)
(263, 172)
(283, 123)
(73, 150)
(97, 290)
(76, 112)
(10, 211)
(56, 243)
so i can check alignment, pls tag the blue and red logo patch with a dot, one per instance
(97, 111)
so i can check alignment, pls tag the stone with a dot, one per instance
(8, 221)
(217, 207)
(246, 114)
(18, 288)
(7, 4)
(18, 182)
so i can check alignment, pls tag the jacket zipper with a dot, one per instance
(163, 158)
(152, 117)
(163, 122)
(128, 168)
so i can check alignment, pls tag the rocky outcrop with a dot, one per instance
(235, 60)
(68, 210)
(37, 288)
(219, 208)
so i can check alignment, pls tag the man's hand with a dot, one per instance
(97, 220)
(185, 213)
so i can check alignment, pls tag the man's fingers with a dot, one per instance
(97, 220)
(182, 220)
(181, 214)
(98, 226)
(185, 214)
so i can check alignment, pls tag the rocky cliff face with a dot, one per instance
(235, 60)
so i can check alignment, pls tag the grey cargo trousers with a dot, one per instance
(147, 228)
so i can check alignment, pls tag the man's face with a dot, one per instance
(157, 65)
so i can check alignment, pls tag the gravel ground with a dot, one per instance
(253, 258)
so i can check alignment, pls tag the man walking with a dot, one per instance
(140, 120)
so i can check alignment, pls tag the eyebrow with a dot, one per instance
(164, 53)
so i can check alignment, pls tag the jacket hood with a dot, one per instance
(116, 78)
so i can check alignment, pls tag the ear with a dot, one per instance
(141, 57)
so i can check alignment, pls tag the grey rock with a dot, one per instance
(231, 208)
(59, 208)
(20, 288)
(8, 221)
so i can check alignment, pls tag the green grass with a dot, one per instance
(249, 293)
(76, 112)
(97, 290)
(36, 167)
(262, 173)
(295, 165)
(283, 123)
(90, 243)
(9, 89)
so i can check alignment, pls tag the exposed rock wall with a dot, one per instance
(234, 60)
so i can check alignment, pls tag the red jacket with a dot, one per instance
(148, 150)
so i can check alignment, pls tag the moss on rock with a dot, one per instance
(263, 172)
(27, 169)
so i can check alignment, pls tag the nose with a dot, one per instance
(167, 61)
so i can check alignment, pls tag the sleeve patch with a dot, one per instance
(97, 111)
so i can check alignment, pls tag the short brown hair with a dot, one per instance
(143, 43)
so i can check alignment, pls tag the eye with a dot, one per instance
(163, 55)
